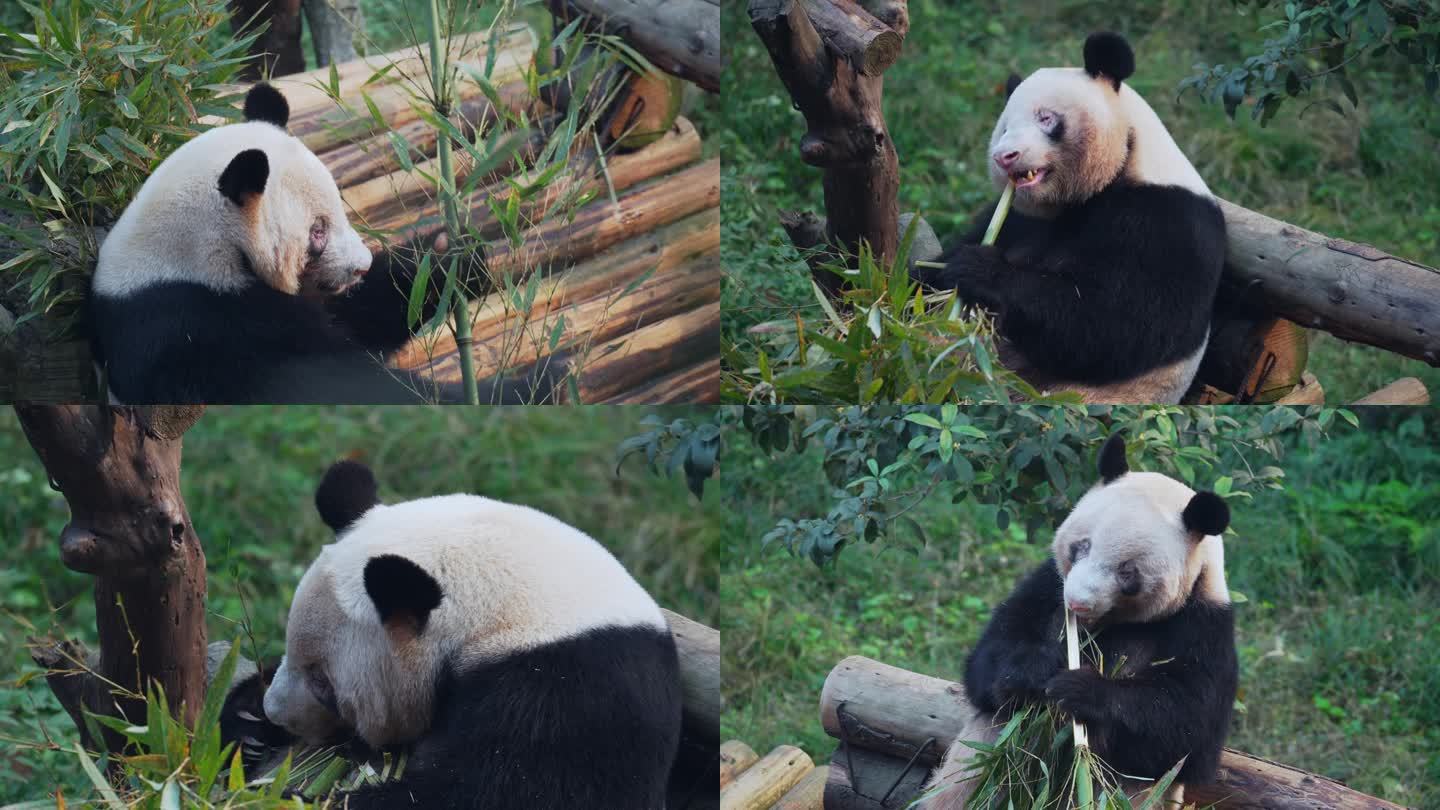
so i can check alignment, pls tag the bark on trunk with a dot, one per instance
(279, 47)
(119, 470)
(333, 24)
(681, 37)
(821, 50)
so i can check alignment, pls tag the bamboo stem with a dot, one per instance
(459, 306)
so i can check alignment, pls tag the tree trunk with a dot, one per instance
(822, 50)
(119, 470)
(279, 47)
(892, 712)
(333, 24)
(681, 37)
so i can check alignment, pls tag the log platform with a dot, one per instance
(784, 779)
(628, 292)
(896, 724)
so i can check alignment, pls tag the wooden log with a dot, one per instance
(681, 37)
(763, 783)
(365, 159)
(846, 136)
(594, 284)
(1308, 392)
(696, 385)
(307, 92)
(699, 649)
(1404, 391)
(1350, 290)
(808, 793)
(735, 757)
(900, 710)
(878, 781)
(865, 42)
(328, 126)
(645, 110)
(624, 363)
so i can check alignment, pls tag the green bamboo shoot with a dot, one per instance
(1002, 210)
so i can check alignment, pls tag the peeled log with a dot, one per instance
(681, 37)
(808, 793)
(907, 708)
(1350, 290)
(699, 649)
(763, 783)
(1404, 391)
(735, 757)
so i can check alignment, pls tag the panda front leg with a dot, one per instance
(952, 783)
(978, 273)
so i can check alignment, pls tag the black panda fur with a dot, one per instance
(1105, 291)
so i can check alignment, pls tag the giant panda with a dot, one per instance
(234, 276)
(1140, 563)
(1104, 275)
(519, 658)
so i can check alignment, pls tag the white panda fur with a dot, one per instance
(1173, 695)
(535, 654)
(1104, 276)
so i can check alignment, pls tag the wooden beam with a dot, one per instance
(866, 43)
(681, 37)
(1350, 290)
(1404, 391)
(735, 757)
(894, 711)
(699, 649)
(763, 783)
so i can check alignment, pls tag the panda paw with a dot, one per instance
(1024, 681)
(971, 271)
(1079, 693)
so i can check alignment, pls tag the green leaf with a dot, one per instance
(101, 785)
(419, 291)
(126, 106)
(923, 419)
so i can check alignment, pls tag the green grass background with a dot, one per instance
(249, 477)
(1340, 658)
(1371, 176)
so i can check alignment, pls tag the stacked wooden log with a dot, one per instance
(784, 779)
(629, 298)
(895, 726)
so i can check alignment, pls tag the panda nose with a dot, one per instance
(1006, 159)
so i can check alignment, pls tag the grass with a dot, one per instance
(1371, 176)
(1340, 669)
(249, 478)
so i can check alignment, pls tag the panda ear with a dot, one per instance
(1108, 54)
(265, 103)
(1112, 458)
(245, 176)
(403, 593)
(1012, 83)
(1206, 514)
(347, 491)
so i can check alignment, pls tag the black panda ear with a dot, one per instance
(1108, 54)
(1112, 458)
(245, 176)
(1012, 83)
(265, 103)
(347, 491)
(1206, 514)
(403, 593)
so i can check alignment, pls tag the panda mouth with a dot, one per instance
(1029, 177)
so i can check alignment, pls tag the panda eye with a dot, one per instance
(1128, 575)
(321, 688)
(319, 236)
(1080, 549)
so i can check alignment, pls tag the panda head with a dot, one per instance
(291, 221)
(238, 203)
(1138, 544)
(412, 591)
(1064, 133)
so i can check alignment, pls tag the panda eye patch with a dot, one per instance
(321, 688)
(1128, 575)
(1080, 549)
(319, 236)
